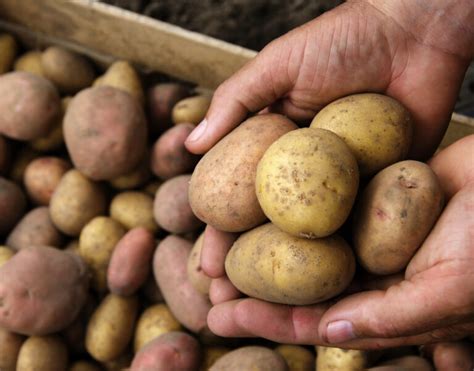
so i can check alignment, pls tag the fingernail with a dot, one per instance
(197, 132)
(339, 332)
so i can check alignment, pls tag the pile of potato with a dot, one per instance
(102, 211)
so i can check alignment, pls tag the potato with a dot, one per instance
(171, 206)
(134, 179)
(121, 75)
(111, 327)
(170, 269)
(297, 357)
(211, 354)
(200, 281)
(84, 366)
(377, 129)
(271, 265)
(120, 363)
(10, 344)
(105, 132)
(161, 99)
(396, 212)
(131, 262)
(8, 50)
(192, 109)
(170, 157)
(307, 182)
(134, 209)
(69, 71)
(251, 358)
(222, 188)
(12, 205)
(410, 363)
(42, 176)
(5, 255)
(5, 155)
(22, 158)
(43, 353)
(154, 322)
(340, 359)
(75, 202)
(173, 351)
(35, 229)
(42, 290)
(96, 245)
(30, 62)
(29, 105)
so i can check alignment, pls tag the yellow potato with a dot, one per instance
(196, 276)
(191, 110)
(10, 344)
(211, 354)
(377, 129)
(268, 264)
(134, 209)
(330, 359)
(8, 50)
(297, 357)
(30, 62)
(43, 353)
(154, 321)
(122, 75)
(307, 182)
(250, 358)
(5, 254)
(111, 327)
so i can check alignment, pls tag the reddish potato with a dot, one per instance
(5, 155)
(12, 204)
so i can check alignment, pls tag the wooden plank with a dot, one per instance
(109, 30)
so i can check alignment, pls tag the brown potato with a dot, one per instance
(43, 353)
(297, 357)
(222, 188)
(12, 205)
(192, 109)
(251, 358)
(134, 209)
(8, 50)
(42, 176)
(42, 290)
(22, 158)
(171, 206)
(5, 255)
(121, 75)
(10, 344)
(196, 275)
(30, 62)
(5, 155)
(29, 105)
(105, 132)
(169, 265)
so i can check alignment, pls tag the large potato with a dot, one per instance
(10, 344)
(8, 50)
(307, 182)
(377, 128)
(134, 209)
(5, 155)
(30, 62)
(121, 75)
(5, 254)
(196, 275)
(29, 105)
(12, 204)
(105, 132)
(330, 359)
(43, 353)
(395, 214)
(188, 305)
(251, 358)
(192, 109)
(222, 188)
(42, 290)
(75, 202)
(297, 357)
(35, 229)
(171, 206)
(271, 265)
(111, 327)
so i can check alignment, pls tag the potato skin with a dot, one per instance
(121, 75)
(12, 204)
(268, 264)
(111, 327)
(251, 358)
(297, 357)
(29, 105)
(170, 157)
(130, 263)
(330, 359)
(30, 62)
(307, 182)
(75, 201)
(43, 353)
(222, 188)
(196, 275)
(41, 280)
(10, 344)
(8, 50)
(169, 266)
(35, 229)
(377, 128)
(396, 212)
(105, 132)
(134, 209)
(192, 109)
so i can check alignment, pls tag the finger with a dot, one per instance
(221, 320)
(215, 246)
(451, 356)
(286, 107)
(222, 290)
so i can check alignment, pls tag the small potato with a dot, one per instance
(131, 262)
(192, 109)
(30, 62)
(171, 206)
(8, 50)
(75, 202)
(5, 255)
(97, 242)
(154, 322)
(35, 229)
(377, 129)
(121, 75)
(170, 157)
(111, 327)
(69, 71)
(173, 351)
(330, 359)
(30, 105)
(134, 179)
(396, 212)
(211, 354)
(134, 209)
(269, 264)
(42, 176)
(170, 269)
(12, 205)
(84, 366)
(43, 353)
(5, 155)
(251, 358)
(105, 132)
(297, 357)
(196, 275)
(10, 344)
(22, 158)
